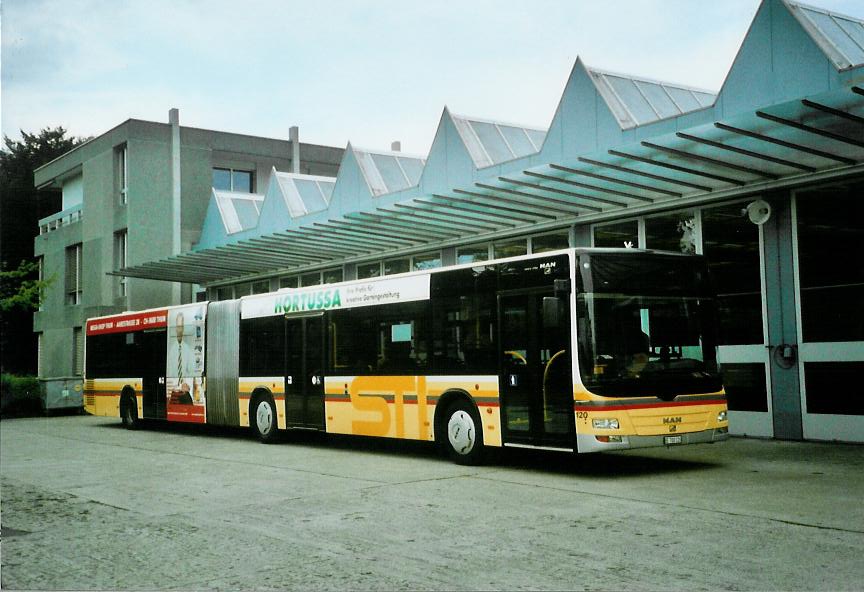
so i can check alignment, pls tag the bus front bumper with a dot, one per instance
(590, 443)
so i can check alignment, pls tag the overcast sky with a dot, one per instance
(365, 71)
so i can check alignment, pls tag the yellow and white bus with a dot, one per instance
(582, 350)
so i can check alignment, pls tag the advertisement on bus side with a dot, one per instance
(349, 295)
(184, 374)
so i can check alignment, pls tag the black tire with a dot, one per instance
(129, 411)
(262, 419)
(462, 434)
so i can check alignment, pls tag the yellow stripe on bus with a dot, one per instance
(404, 406)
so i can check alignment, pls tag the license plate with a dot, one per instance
(670, 440)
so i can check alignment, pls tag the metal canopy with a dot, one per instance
(781, 144)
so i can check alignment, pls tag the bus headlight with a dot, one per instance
(721, 416)
(605, 424)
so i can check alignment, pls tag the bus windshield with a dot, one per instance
(646, 324)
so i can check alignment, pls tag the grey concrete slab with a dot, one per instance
(87, 505)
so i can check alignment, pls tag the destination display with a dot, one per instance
(138, 321)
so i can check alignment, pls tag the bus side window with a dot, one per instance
(352, 339)
(402, 338)
(464, 321)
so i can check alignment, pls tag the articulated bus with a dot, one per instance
(581, 350)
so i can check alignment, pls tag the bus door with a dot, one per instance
(150, 351)
(535, 378)
(304, 371)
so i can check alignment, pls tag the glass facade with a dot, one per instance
(472, 253)
(831, 265)
(427, 261)
(310, 279)
(368, 270)
(674, 232)
(619, 236)
(331, 276)
(550, 242)
(289, 282)
(397, 266)
(731, 244)
(513, 248)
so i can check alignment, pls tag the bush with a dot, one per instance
(20, 395)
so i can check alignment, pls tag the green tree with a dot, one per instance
(20, 289)
(21, 207)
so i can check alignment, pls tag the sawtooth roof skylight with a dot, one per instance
(637, 101)
(386, 172)
(239, 211)
(841, 37)
(493, 142)
(305, 194)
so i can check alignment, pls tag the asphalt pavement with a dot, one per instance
(87, 505)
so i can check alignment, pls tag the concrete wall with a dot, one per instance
(146, 216)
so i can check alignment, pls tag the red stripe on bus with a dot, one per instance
(577, 407)
(128, 323)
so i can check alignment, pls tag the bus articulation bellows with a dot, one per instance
(583, 350)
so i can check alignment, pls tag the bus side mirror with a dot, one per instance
(553, 311)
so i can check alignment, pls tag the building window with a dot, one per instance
(224, 293)
(368, 270)
(513, 248)
(397, 266)
(332, 276)
(427, 261)
(550, 242)
(289, 282)
(242, 290)
(77, 351)
(122, 175)
(232, 180)
(618, 235)
(672, 232)
(73, 274)
(310, 279)
(830, 268)
(472, 253)
(731, 246)
(261, 287)
(120, 241)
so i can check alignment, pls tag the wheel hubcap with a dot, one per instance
(460, 431)
(264, 417)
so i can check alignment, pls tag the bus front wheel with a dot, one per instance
(463, 438)
(264, 420)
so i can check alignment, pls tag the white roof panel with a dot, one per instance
(239, 211)
(636, 101)
(386, 172)
(305, 194)
(841, 37)
(493, 142)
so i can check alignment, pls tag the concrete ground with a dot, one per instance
(88, 505)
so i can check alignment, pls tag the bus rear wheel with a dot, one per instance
(129, 411)
(264, 419)
(463, 436)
